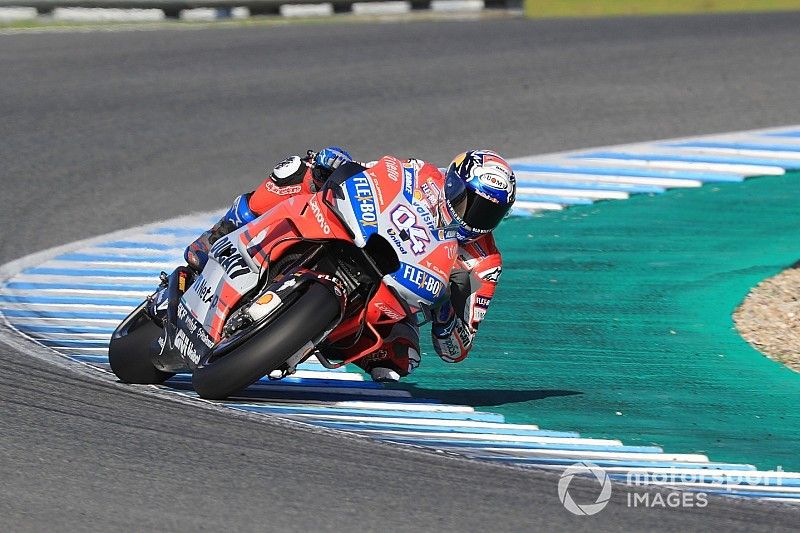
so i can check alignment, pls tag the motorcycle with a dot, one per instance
(323, 275)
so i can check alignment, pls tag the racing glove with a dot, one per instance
(326, 161)
(452, 337)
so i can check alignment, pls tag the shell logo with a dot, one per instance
(267, 298)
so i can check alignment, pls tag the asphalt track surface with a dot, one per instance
(103, 131)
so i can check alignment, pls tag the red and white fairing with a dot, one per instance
(229, 274)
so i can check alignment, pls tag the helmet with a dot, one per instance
(480, 188)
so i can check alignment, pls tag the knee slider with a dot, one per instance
(290, 171)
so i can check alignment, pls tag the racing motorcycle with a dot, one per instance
(318, 275)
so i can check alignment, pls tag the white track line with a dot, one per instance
(750, 170)
(667, 183)
(414, 421)
(424, 435)
(536, 206)
(576, 193)
(523, 453)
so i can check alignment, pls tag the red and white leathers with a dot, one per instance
(455, 323)
(472, 285)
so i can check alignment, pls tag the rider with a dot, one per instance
(489, 189)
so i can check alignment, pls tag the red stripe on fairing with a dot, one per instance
(277, 234)
(228, 298)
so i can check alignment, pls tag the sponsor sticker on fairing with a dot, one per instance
(264, 306)
(203, 289)
(388, 311)
(392, 233)
(228, 256)
(192, 328)
(432, 192)
(409, 182)
(393, 169)
(184, 345)
(363, 201)
(422, 283)
(427, 218)
(203, 337)
(366, 212)
(318, 216)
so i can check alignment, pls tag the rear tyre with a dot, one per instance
(268, 349)
(129, 350)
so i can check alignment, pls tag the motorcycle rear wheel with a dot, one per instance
(268, 349)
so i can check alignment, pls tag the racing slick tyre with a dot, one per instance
(269, 348)
(129, 350)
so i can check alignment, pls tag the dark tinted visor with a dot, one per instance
(454, 188)
(482, 214)
(456, 192)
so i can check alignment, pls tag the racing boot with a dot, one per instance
(196, 254)
(397, 357)
(382, 374)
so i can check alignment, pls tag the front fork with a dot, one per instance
(164, 356)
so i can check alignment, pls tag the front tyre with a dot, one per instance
(129, 350)
(268, 349)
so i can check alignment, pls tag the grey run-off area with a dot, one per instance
(104, 131)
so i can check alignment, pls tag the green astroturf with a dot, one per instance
(614, 320)
(604, 8)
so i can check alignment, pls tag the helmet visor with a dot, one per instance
(456, 193)
(482, 214)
